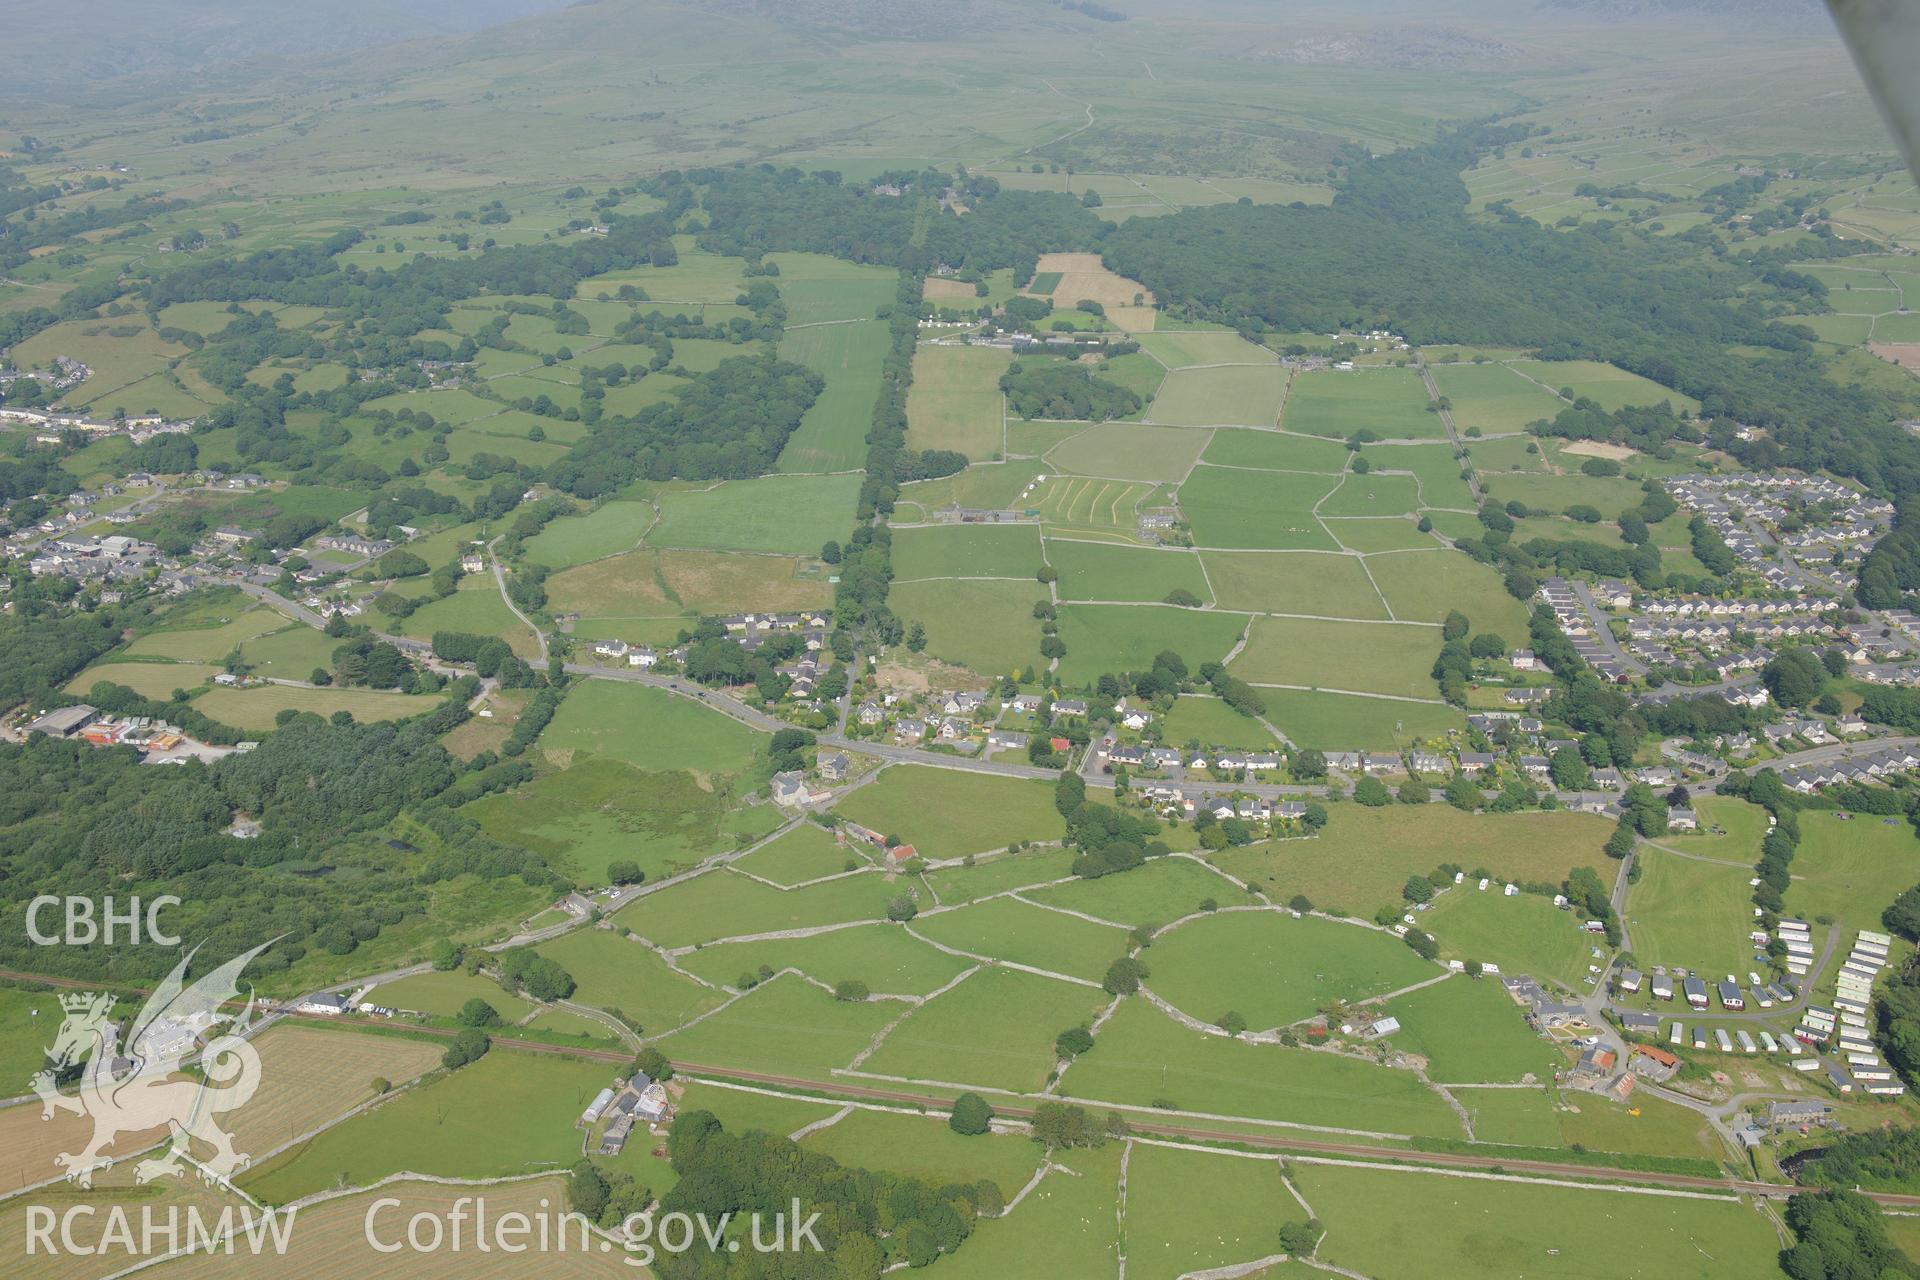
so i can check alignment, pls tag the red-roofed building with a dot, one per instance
(1059, 744)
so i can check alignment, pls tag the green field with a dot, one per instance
(1330, 585)
(1098, 571)
(1391, 403)
(1373, 494)
(817, 288)
(988, 626)
(1850, 869)
(1693, 914)
(1471, 1031)
(720, 904)
(507, 1113)
(1006, 929)
(28, 1021)
(1453, 1229)
(1228, 395)
(1363, 856)
(1112, 637)
(1275, 451)
(1370, 536)
(1067, 1227)
(1273, 969)
(794, 514)
(1493, 397)
(1143, 1058)
(1254, 509)
(832, 433)
(887, 958)
(945, 813)
(924, 1147)
(1212, 723)
(967, 551)
(619, 973)
(808, 852)
(572, 540)
(291, 653)
(1524, 933)
(1178, 350)
(1124, 452)
(442, 994)
(955, 402)
(1162, 890)
(256, 709)
(994, 1030)
(987, 876)
(787, 1025)
(476, 607)
(149, 679)
(1189, 1210)
(1089, 503)
(1365, 657)
(1425, 586)
(1437, 469)
(1351, 722)
(650, 729)
(213, 639)
(1611, 387)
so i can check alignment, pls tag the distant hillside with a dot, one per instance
(1746, 10)
(55, 47)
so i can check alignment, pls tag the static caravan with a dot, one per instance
(1723, 1040)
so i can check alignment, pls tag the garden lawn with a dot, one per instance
(1470, 1031)
(794, 514)
(650, 729)
(507, 1113)
(1363, 657)
(955, 401)
(1100, 571)
(1524, 933)
(946, 813)
(1110, 637)
(618, 973)
(1143, 1058)
(1256, 509)
(994, 1030)
(1007, 929)
(788, 1025)
(1362, 857)
(968, 551)
(1275, 970)
(720, 904)
(886, 957)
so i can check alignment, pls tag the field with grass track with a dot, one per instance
(1212, 723)
(442, 994)
(475, 607)
(1273, 969)
(1067, 1227)
(1391, 403)
(1611, 387)
(1493, 397)
(1256, 509)
(1363, 856)
(571, 540)
(885, 956)
(787, 1025)
(994, 1030)
(1112, 637)
(650, 729)
(807, 852)
(1143, 1058)
(1191, 1211)
(792, 514)
(1017, 932)
(967, 551)
(720, 904)
(1693, 914)
(619, 973)
(955, 401)
(945, 813)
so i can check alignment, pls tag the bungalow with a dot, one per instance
(1006, 738)
(1136, 720)
(1636, 1023)
(324, 1003)
(1474, 763)
(1069, 707)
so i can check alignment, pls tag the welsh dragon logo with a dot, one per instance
(136, 1087)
